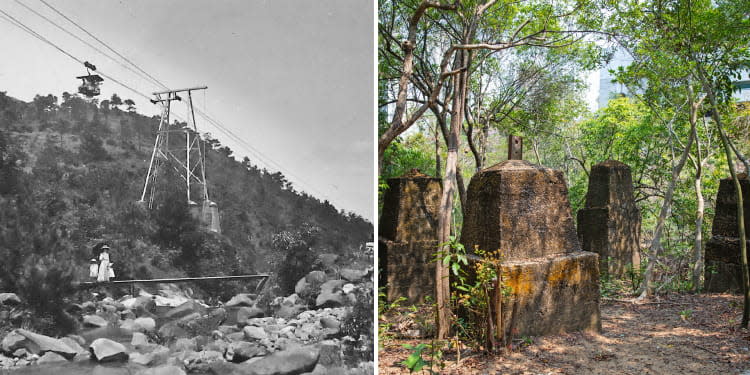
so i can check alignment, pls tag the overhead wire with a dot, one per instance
(248, 147)
(159, 83)
(53, 23)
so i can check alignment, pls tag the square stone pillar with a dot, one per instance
(610, 222)
(723, 268)
(408, 236)
(522, 210)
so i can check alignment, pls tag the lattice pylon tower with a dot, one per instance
(187, 159)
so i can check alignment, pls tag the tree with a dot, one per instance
(115, 101)
(131, 105)
(704, 44)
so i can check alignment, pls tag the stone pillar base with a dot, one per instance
(551, 295)
(408, 269)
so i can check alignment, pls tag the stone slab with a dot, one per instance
(406, 270)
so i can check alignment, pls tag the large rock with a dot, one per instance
(145, 324)
(244, 313)
(242, 299)
(172, 330)
(242, 351)
(255, 333)
(12, 342)
(139, 340)
(287, 362)
(352, 274)
(106, 350)
(162, 370)
(94, 321)
(9, 299)
(40, 344)
(50, 357)
(329, 298)
(73, 344)
(185, 309)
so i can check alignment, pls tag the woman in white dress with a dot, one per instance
(103, 265)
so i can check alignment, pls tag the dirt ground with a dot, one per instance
(673, 334)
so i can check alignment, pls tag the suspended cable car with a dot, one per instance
(90, 82)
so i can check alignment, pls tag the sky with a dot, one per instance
(293, 79)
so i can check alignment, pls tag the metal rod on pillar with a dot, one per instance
(515, 147)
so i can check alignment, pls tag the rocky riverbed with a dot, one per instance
(169, 333)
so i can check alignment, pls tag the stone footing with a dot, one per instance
(408, 270)
(723, 269)
(551, 295)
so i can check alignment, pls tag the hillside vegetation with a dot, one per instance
(71, 171)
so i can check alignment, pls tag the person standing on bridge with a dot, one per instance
(103, 264)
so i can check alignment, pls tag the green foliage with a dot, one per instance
(359, 326)
(298, 257)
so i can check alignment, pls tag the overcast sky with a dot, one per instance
(294, 79)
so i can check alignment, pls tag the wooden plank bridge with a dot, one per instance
(93, 284)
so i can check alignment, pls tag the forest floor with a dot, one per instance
(672, 334)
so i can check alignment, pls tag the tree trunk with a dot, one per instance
(647, 287)
(442, 283)
(740, 213)
(698, 243)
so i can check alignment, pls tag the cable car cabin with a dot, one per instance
(90, 85)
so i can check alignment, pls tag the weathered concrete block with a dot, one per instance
(610, 222)
(408, 236)
(410, 208)
(723, 270)
(406, 269)
(552, 295)
(725, 220)
(521, 209)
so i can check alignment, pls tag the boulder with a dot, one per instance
(50, 357)
(162, 370)
(244, 313)
(9, 299)
(348, 288)
(185, 309)
(242, 299)
(254, 333)
(139, 340)
(330, 322)
(352, 274)
(73, 344)
(12, 342)
(198, 362)
(94, 321)
(329, 298)
(302, 286)
(142, 359)
(106, 350)
(40, 344)
(291, 361)
(242, 351)
(328, 260)
(316, 277)
(171, 330)
(128, 325)
(20, 353)
(185, 344)
(145, 324)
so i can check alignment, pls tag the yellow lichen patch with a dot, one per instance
(519, 279)
(566, 270)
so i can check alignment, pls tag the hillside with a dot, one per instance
(71, 171)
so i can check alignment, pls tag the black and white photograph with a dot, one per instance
(187, 187)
